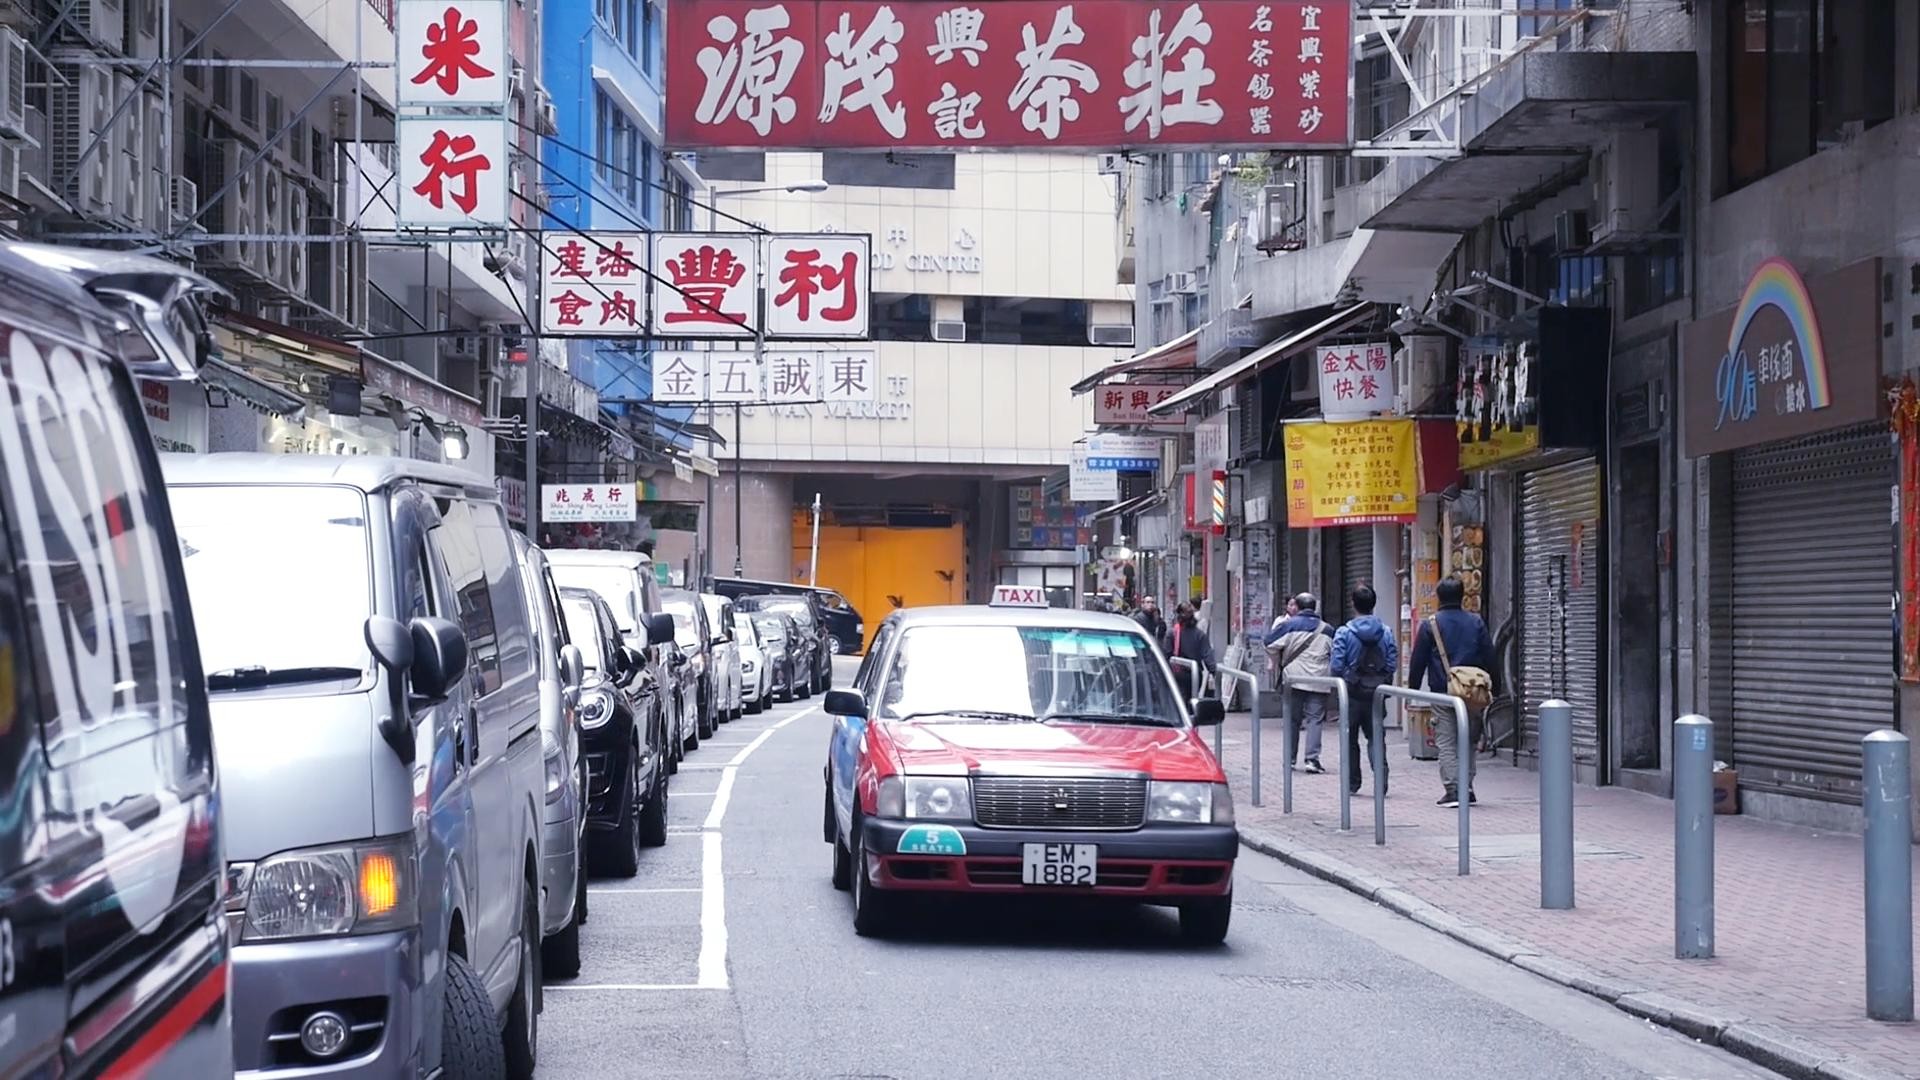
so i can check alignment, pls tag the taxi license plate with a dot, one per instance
(1058, 864)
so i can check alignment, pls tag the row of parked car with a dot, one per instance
(308, 758)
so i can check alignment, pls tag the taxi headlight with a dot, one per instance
(939, 798)
(1189, 803)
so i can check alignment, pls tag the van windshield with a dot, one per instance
(583, 626)
(280, 579)
(615, 584)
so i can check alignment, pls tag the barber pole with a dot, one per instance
(1219, 503)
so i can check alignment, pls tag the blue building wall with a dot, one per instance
(605, 65)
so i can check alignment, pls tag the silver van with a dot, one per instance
(626, 581)
(376, 705)
(563, 865)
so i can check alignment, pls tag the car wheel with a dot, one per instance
(469, 1030)
(522, 1034)
(580, 887)
(833, 646)
(1204, 922)
(842, 862)
(872, 908)
(617, 853)
(692, 741)
(709, 718)
(653, 820)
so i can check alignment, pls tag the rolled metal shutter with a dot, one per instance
(1560, 591)
(1356, 568)
(1812, 633)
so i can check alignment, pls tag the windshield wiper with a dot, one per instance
(247, 678)
(973, 714)
(1107, 718)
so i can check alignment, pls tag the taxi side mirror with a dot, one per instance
(845, 703)
(1209, 712)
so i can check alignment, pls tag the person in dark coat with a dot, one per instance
(1465, 643)
(1150, 619)
(1187, 641)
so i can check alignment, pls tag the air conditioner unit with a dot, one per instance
(128, 145)
(103, 22)
(461, 347)
(298, 225)
(185, 204)
(952, 330)
(1571, 234)
(157, 137)
(10, 169)
(273, 224)
(236, 214)
(1180, 283)
(1420, 374)
(13, 84)
(79, 107)
(1118, 336)
(1626, 193)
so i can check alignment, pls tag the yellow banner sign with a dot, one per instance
(1359, 473)
(1490, 448)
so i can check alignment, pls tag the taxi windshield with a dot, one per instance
(1045, 673)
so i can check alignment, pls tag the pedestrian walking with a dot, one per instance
(1302, 646)
(1366, 656)
(1202, 613)
(1453, 654)
(1150, 619)
(1187, 641)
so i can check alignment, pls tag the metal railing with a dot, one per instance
(1463, 757)
(1253, 704)
(1198, 682)
(1337, 687)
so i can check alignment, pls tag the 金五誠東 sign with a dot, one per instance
(587, 502)
(933, 74)
(785, 378)
(1360, 473)
(1356, 381)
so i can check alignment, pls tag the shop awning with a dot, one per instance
(1259, 359)
(217, 374)
(1127, 506)
(1179, 353)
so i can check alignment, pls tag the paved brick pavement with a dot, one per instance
(1790, 943)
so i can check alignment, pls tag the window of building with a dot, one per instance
(749, 166)
(927, 172)
(603, 135)
(196, 75)
(1802, 76)
(647, 159)
(649, 38)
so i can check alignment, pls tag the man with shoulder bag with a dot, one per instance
(1453, 654)
(1302, 645)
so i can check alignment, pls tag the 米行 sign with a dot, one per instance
(800, 74)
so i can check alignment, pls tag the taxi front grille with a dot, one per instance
(1043, 802)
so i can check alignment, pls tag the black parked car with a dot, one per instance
(623, 729)
(846, 632)
(785, 649)
(805, 610)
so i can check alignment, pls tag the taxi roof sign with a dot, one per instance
(1019, 596)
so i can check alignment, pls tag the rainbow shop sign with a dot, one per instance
(1796, 356)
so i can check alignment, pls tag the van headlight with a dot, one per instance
(556, 772)
(1189, 803)
(320, 892)
(596, 707)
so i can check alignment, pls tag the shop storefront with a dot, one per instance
(1787, 386)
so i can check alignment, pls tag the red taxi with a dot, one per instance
(1018, 748)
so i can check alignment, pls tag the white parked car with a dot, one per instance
(724, 657)
(756, 674)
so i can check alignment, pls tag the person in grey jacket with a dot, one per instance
(1301, 646)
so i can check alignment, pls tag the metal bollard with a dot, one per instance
(1291, 743)
(1556, 805)
(1253, 709)
(1377, 758)
(1693, 838)
(1886, 764)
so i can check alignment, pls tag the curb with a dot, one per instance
(1763, 1044)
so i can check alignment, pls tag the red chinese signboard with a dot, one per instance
(768, 74)
(819, 286)
(1125, 404)
(704, 285)
(593, 284)
(452, 52)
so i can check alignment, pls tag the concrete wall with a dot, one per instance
(766, 519)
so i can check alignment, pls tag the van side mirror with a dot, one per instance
(573, 667)
(1209, 712)
(845, 703)
(659, 628)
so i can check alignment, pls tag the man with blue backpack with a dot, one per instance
(1367, 657)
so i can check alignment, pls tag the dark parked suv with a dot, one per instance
(805, 611)
(846, 633)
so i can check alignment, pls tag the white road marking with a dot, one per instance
(628, 986)
(713, 914)
(602, 890)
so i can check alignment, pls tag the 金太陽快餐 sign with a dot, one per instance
(1360, 473)
(809, 74)
(1794, 357)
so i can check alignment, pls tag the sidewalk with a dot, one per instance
(1787, 988)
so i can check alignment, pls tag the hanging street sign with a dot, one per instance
(1108, 74)
(785, 377)
(451, 52)
(586, 502)
(819, 286)
(1123, 453)
(1356, 381)
(453, 172)
(705, 284)
(593, 284)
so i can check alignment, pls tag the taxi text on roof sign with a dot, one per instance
(1019, 596)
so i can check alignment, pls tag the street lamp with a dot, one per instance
(714, 195)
